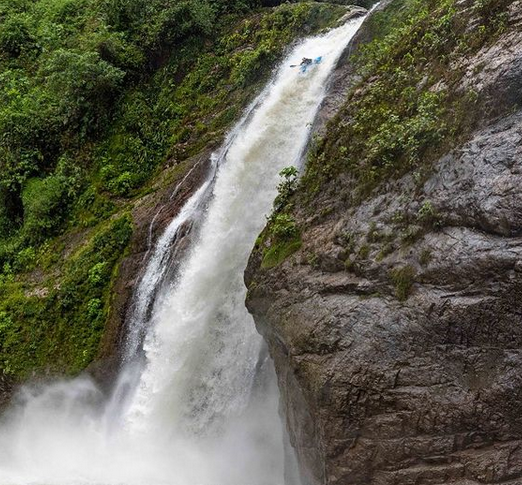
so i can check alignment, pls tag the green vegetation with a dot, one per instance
(386, 250)
(97, 99)
(282, 236)
(427, 215)
(404, 109)
(286, 188)
(59, 325)
(279, 251)
(403, 279)
(364, 251)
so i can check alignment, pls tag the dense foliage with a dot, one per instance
(59, 326)
(97, 99)
(407, 106)
(64, 66)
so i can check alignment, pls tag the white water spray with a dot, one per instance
(204, 409)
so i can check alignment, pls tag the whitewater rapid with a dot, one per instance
(200, 406)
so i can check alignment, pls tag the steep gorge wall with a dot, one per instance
(396, 327)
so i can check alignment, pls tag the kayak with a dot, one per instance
(316, 61)
(304, 67)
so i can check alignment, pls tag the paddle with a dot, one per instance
(317, 60)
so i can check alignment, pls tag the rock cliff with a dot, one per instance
(396, 328)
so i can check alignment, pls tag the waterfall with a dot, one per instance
(200, 405)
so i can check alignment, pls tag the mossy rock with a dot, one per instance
(280, 251)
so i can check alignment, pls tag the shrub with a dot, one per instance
(94, 309)
(364, 251)
(83, 85)
(403, 280)
(45, 204)
(427, 214)
(5, 323)
(284, 239)
(283, 227)
(25, 259)
(15, 36)
(123, 184)
(98, 274)
(286, 187)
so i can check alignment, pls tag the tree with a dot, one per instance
(83, 86)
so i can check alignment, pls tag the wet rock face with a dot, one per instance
(151, 216)
(413, 376)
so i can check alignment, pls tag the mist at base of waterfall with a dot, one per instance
(66, 420)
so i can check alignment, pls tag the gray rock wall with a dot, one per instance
(427, 390)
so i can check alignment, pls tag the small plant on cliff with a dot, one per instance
(286, 187)
(283, 227)
(282, 231)
(284, 239)
(364, 251)
(403, 279)
(427, 214)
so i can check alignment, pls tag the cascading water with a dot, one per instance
(200, 406)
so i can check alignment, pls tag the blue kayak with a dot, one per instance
(316, 61)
